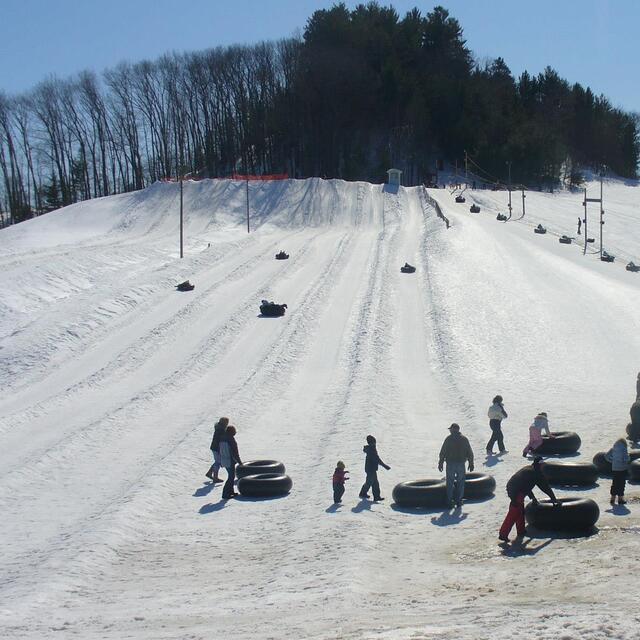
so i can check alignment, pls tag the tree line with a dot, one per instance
(360, 91)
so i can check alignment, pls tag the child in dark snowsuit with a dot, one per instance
(339, 476)
(371, 464)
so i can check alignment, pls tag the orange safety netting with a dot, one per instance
(272, 176)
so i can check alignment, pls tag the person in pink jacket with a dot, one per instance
(540, 424)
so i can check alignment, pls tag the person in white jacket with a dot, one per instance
(496, 415)
(618, 456)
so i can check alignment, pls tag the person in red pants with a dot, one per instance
(520, 485)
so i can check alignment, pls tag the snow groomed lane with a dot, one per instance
(111, 530)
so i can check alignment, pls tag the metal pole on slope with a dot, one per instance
(601, 212)
(523, 197)
(586, 235)
(509, 164)
(181, 217)
(466, 169)
(247, 204)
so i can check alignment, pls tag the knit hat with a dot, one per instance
(340, 464)
(498, 399)
(371, 440)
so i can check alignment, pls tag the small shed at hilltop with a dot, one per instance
(395, 177)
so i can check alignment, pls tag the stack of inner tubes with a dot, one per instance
(263, 479)
(633, 431)
(634, 471)
(570, 473)
(573, 514)
(562, 443)
(259, 466)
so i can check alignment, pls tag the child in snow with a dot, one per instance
(618, 456)
(540, 424)
(371, 464)
(496, 415)
(339, 476)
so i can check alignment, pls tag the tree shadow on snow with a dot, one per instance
(447, 518)
(333, 508)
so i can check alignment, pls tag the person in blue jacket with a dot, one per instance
(371, 463)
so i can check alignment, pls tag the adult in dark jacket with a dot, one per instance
(635, 407)
(455, 451)
(496, 415)
(520, 485)
(218, 432)
(229, 457)
(371, 463)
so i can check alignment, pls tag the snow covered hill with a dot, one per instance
(112, 381)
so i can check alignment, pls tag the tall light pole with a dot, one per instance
(181, 219)
(182, 177)
(509, 165)
(601, 209)
(248, 231)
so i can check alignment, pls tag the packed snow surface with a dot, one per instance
(112, 380)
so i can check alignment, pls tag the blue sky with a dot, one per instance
(588, 41)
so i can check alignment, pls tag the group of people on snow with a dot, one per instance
(456, 453)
